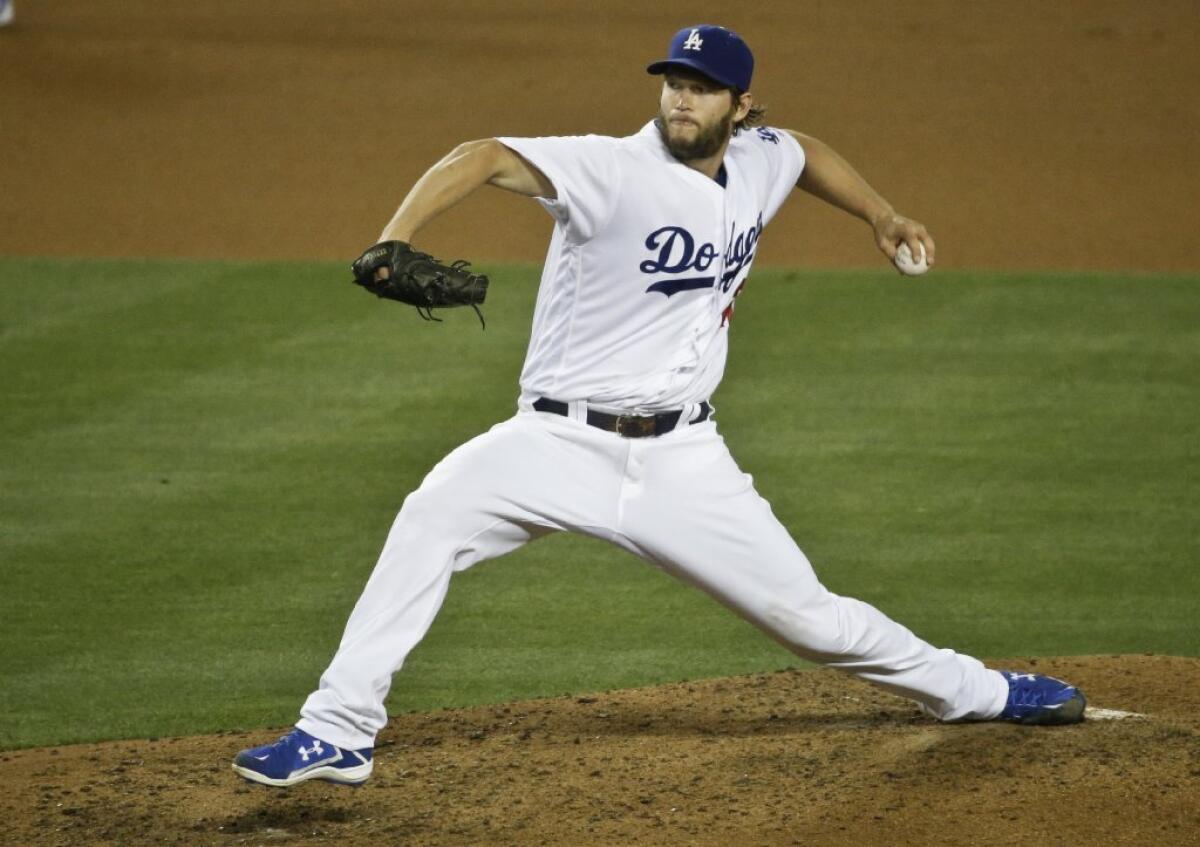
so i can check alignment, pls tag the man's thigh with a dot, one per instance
(697, 514)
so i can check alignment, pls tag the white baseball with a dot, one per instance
(905, 262)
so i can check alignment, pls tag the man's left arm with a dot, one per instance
(831, 178)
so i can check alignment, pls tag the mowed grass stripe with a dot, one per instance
(201, 460)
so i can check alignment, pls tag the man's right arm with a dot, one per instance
(831, 178)
(466, 168)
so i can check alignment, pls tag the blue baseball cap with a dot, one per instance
(714, 51)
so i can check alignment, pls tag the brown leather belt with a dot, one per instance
(628, 426)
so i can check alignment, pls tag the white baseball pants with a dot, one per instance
(679, 501)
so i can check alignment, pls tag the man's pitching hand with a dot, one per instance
(892, 230)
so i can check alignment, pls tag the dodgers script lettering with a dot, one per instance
(674, 251)
(677, 252)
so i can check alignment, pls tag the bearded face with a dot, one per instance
(687, 140)
(695, 116)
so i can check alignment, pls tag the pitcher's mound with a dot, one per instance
(797, 757)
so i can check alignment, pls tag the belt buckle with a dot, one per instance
(634, 426)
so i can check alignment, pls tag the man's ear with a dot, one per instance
(745, 101)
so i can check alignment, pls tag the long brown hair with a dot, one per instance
(754, 117)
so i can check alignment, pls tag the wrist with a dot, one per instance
(879, 215)
(396, 231)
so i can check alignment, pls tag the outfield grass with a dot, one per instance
(199, 462)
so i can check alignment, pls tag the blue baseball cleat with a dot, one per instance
(297, 757)
(1037, 700)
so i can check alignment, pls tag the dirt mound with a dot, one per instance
(775, 759)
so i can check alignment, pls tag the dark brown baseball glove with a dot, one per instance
(418, 279)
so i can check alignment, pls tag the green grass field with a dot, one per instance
(200, 461)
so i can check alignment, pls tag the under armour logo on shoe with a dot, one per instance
(1029, 676)
(316, 750)
(693, 40)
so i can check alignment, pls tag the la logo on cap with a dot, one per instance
(718, 53)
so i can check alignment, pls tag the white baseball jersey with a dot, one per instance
(646, 258)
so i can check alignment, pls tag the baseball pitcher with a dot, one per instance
(615, 435)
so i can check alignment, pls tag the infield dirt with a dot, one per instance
(1027, 135)
(778, 759)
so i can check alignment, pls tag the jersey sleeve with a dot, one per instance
(782, 160)
(583, 170)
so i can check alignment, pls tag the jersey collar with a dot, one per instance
(650, 134)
